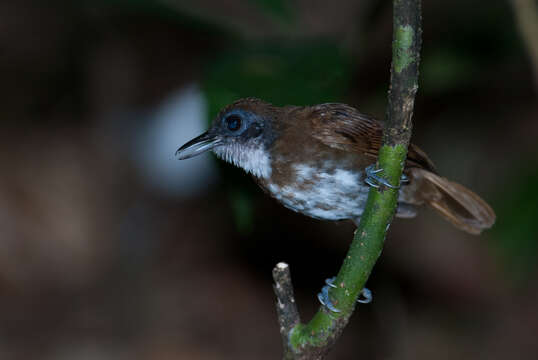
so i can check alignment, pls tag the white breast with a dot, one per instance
(327, 193)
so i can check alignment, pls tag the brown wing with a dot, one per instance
(343, 127)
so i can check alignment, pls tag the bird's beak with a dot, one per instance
(198, 145)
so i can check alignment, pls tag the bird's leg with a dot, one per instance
(375, 180)
(324, 299)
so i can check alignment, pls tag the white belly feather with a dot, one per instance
(329, 194)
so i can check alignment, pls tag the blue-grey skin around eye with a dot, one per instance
(233, 122)
(250, 124)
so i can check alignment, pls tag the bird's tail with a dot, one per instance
(459, 205)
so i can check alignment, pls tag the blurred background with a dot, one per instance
(110, 248)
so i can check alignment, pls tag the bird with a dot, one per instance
(320, 161)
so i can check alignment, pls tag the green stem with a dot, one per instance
(314, 339)
(360, 259)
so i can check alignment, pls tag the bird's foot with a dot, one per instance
(323, 296)
(375, 180)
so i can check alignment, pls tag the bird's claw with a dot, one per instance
(367, 296)
(324, 299)
(375, 180)
(330, 282)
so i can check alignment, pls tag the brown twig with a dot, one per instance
(286, 307)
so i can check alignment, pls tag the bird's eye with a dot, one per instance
(233, 122)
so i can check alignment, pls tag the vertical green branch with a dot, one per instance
(406, 43)
(314, 339)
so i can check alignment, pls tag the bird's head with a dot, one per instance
(240, 134)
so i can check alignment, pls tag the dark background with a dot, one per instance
(110, 248)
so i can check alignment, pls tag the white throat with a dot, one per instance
(252, 159)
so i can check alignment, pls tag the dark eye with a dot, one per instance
(233, 122)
